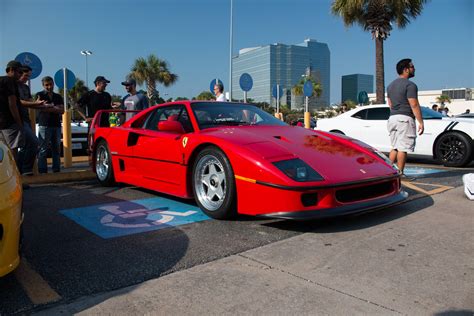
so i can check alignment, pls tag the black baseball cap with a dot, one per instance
(129, 82)
(14, 64)
(101, 79)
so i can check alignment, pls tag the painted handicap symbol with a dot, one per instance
(132, 217)
(144, 217)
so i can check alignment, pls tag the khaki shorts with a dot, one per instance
(402, 130)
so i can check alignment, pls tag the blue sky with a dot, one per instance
(193, 36)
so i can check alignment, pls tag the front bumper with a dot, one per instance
(361, 207)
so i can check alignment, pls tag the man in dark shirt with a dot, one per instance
(97, 99)
(11, 124)
(27, 153)
(404, 108)
(50, 126)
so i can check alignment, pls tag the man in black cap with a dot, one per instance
(96, 100)
(133, 100)
(11, 124)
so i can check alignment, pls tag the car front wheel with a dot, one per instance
(214, 184)
(453, 149)
(103, 164)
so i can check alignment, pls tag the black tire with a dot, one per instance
(214, 184)
(453, 149)
(103, 164)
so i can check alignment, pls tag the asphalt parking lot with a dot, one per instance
(82, 240)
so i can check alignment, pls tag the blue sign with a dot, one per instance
(246, 82)
(363, 97)
(274, 91)
(133, 217)
(59, 79)
(308, 88)
(213, 83)
(30, 59)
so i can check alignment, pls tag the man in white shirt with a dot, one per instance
(219, 92)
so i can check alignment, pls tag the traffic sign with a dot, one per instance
(308, 88)
(362, 98)
(274, 91)
(31, 60)
(246, 82)
(213, 83)
(59, 79)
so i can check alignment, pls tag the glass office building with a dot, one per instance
(353, 84)
(284, 65)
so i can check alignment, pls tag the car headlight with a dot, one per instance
(298, 170)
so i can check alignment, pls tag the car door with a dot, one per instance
(158, 155)
(372, 127)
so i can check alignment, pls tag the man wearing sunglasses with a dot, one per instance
(402, 97)
(134, 100)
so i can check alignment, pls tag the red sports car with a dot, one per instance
(235, 158)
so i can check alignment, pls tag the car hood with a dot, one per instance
(333, 157)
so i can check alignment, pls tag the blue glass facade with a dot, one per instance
(353, 84)
(284, 65)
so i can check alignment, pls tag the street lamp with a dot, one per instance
(86, 53)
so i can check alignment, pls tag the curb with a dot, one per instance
(76, 175)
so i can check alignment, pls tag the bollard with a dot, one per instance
(307, 120)
(67, 141)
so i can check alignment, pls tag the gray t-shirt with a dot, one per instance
(399, 91)
(134, 102)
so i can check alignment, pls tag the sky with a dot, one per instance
(193, 36)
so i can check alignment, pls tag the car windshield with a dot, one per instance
(212, 114)
(429, 114)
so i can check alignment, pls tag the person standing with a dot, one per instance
(27, 153)
(11, 125)
(219, 92)
(50, 126)
(97, 99)
(402, 97)
(133, 100)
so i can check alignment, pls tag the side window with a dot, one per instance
(362, 115)
(175, 112)
(381, 114)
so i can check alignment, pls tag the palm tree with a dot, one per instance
(443, 99)
(377, 16)
(152, 70)
(317, 89)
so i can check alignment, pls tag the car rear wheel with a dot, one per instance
(214, 184)
(453, 149)
(103, 164)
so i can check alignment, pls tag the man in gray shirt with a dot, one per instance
(404, 108)
(133, 100)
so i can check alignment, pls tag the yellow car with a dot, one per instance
(11, 215)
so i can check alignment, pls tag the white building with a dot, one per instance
(461, 99)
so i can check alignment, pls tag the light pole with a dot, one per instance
(86, 53)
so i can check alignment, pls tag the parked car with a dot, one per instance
(11, 215)
(79, 130)
(448, 140)
(234, 158)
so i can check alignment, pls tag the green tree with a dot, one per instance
(181, 99)
(205, 95)
(151, 71)
(443, 99)
(298, 87)
(377, 16)
(73, 95)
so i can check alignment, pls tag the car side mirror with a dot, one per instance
(171, 126)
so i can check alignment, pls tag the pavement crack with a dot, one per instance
(270, 267)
